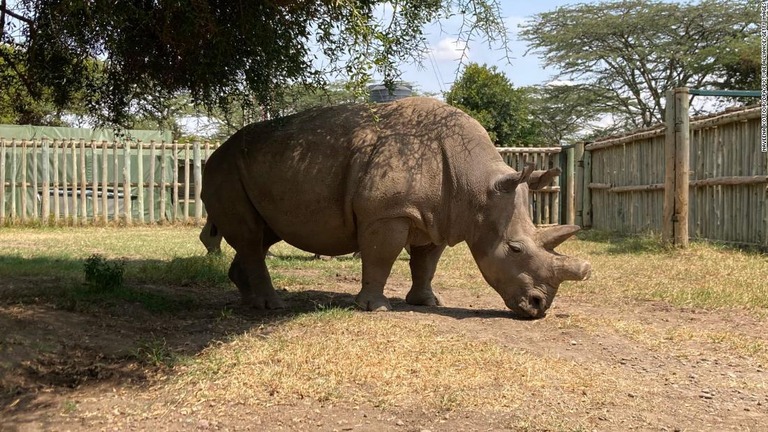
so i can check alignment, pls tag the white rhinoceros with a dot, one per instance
(374, 179)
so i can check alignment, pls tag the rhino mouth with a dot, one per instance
(534, 304)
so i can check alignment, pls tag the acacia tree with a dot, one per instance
(220, 52)
(638, 49)
(486, 94)
(566, 112)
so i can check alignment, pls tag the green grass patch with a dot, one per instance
(198, 270)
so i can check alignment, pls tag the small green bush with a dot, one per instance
(102, 274)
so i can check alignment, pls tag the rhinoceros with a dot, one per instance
(376, 178)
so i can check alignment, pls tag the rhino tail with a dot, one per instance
(210, 237)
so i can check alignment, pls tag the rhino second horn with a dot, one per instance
(554, 236)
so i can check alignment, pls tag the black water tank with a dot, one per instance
(380, 93)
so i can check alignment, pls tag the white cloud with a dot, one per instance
(558, 82)
(449, 49)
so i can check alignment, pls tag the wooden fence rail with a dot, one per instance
(688, 178)
(79, 182)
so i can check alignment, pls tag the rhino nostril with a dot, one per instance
(537, 303)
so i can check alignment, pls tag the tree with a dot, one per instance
(566, 112)
(218, 51)
(638, 49)
(487, 95)
(18, 106)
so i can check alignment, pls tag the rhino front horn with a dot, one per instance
(554, 236)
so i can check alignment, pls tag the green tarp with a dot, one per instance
(41, 158)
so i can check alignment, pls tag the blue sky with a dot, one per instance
(438, 74)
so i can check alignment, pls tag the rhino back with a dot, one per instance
(315, 176)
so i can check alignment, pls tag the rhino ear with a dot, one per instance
(509, 182)
(540, 179)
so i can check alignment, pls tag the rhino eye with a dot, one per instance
(515, 247)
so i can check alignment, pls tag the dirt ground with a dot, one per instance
(65, 370)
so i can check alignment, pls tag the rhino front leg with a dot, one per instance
(380, 244)
(423, 264)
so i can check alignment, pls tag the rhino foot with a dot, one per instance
(374, 303)
(423, 298)
(265, 303)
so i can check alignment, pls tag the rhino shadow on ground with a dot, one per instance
(308, 301)
(59, 335)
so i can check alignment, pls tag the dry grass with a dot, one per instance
(339, 355)
(702, 276)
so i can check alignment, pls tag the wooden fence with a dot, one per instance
(688, 178)
(545, 203)
(78, 182)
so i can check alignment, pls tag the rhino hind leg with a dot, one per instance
(380, 244)
(250, 237)
(254, 283)
(423, 264)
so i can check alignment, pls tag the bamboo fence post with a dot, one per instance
(140, 180)
(35, 174)
(83, 185)
(152, 165)
(64, 184)
(175, 188)
(570, 187)
(45, 203)
(198, 169)
(23, 180)
(579, 185)
(682, 166)
(56, 186)
(94, 184)
(186, 182)
(73, 151)
(560, 186)
(545, 196)
(127, 182)
(163, 185)
(2, 181)
(105, 182)
(115, 184)
(668, 228)
(14, 177)
(207, 155)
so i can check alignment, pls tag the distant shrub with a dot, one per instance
(102, 274)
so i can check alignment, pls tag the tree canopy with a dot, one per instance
(566, 112)
(638, 49)
(219, 52)
(486, 94)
